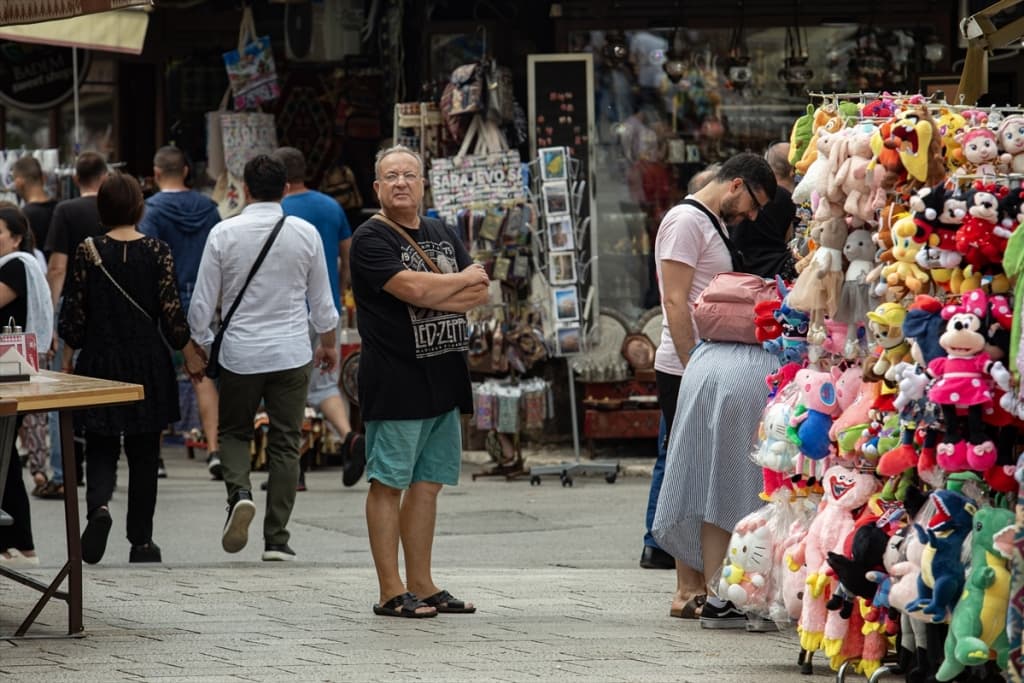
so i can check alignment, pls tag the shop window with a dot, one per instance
(96, 114)
(736, 91)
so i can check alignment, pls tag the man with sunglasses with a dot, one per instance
(692, 246)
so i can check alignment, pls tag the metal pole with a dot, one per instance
(74, 75)
(572, 413)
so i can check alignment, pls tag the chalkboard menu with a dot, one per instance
(561, 104)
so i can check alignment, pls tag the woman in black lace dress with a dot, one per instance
(121, 297)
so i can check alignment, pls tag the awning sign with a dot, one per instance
(37, 76)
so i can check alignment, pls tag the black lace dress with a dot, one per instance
(117, 341)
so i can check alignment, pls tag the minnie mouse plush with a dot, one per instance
(962, 381)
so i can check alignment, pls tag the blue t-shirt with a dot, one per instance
(330, 221)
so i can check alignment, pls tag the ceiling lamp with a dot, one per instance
(677, 61)
(738, 65)
(615, 49)
(794, 72)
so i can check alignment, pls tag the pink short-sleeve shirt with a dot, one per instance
(686, 235)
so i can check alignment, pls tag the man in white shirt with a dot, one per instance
(265, 354)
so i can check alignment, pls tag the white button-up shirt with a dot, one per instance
(270, 329)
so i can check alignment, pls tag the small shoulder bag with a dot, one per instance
(408, 238)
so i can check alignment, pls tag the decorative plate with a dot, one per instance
(638, 349)
(650, 324)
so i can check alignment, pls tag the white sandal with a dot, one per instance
(15, 559)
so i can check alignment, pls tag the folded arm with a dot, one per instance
(433, 290)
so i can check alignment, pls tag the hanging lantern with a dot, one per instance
(615, 49)
(738, 65)
(795, 72)
(676, 61)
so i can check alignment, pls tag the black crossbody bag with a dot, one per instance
(738, 262)
(212, 366)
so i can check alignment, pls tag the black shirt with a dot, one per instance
(39, 215)
(763, 241)
(413, 361)
(12, 274)
(73, 221)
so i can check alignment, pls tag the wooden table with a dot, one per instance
(64, 393)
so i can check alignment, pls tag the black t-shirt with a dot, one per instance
(413, 360)
(12, 274)
(39, 215)
(763, 241)
(73, 221)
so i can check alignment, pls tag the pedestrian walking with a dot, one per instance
(264, 267)
(120, 306)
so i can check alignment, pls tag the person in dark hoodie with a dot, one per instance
(183, 218)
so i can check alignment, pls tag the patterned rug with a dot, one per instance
(305, 121)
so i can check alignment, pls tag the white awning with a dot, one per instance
(32, 11)
(122, 30)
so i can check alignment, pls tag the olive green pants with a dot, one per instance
(283, 394)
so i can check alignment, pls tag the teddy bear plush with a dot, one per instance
(855, 178)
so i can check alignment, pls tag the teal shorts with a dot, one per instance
(403, 452)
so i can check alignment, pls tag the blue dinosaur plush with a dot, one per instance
(942, 572)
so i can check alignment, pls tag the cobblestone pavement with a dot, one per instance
(553, 572)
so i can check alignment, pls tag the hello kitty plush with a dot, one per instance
(775, 451)
(748, 564)
(1011, 137)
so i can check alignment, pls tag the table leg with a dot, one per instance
(74, 536)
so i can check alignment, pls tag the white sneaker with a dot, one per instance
(15, 559)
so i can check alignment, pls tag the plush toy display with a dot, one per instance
(902, 372)
(979, 619)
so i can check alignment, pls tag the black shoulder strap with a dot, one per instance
(715, 221)
(255, 266)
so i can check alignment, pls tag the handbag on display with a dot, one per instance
(244, 134)
(251, 70)
(500, 96)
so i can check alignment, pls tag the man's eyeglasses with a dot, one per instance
(392, 178)
(753, 197)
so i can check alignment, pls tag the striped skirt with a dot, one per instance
(709, 476)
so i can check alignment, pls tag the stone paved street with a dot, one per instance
(553, 571)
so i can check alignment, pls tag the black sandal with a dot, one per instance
(443, 601)
(404, 605)
(691, 610)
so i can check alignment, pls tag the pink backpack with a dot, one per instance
(725, 309)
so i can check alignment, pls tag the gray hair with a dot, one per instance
(702, 178)
(396, 149)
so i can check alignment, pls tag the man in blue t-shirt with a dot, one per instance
(327, 216)
(183, 218)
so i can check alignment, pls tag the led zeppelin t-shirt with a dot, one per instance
(413, 360)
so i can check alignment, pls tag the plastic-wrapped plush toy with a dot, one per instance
(855, 296)
(962, 381)
(748, 564)
(1011, 137)
(979, 619)
(845, 491)
(812, 419)
(942, 573)
(817, 289)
